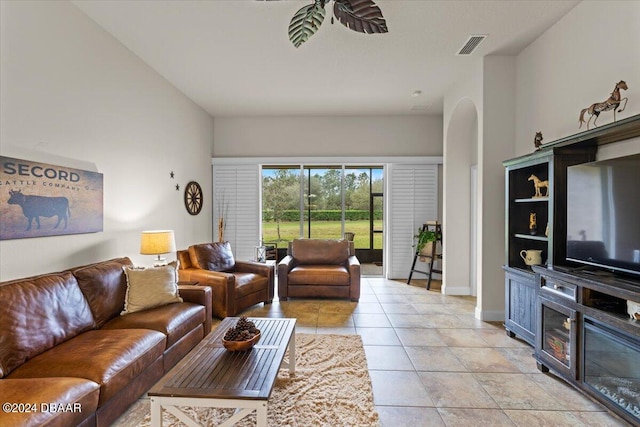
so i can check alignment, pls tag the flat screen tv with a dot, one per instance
(603, 214)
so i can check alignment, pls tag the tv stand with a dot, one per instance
(600, 273)
(584, 268)
(585, 335)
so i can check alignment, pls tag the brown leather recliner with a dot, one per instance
(319, 268)
(236, 285)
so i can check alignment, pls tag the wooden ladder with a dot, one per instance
(429, 259)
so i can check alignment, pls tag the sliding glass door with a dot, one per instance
(280, 204)
(364, 199)
(322, 198)
(324, 202)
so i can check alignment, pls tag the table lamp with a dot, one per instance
(157, 242)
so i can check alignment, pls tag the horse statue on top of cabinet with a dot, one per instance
(611, 103)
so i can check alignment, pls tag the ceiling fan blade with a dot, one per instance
(306, 22)
(363, 16)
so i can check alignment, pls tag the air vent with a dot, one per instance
(420, 107)
(471, 44)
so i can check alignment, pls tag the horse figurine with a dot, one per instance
(537, 141)
(538, 184)
(611, 103)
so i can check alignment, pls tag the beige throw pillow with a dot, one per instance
(151, 287)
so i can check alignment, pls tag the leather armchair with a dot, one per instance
(235, 285)
(319, 268)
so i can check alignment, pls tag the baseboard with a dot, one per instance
(455, 290)
(489, 316)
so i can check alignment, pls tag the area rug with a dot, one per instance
(331, 387)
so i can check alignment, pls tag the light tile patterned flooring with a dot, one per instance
(433, 364)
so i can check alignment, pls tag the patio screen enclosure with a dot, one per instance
(324, 201)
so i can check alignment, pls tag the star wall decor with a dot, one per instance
(363, 16)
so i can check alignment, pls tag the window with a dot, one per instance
(323, 202)
(280, 204)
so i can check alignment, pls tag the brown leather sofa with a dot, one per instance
(69, 358)
(319, 268)
(236, 285)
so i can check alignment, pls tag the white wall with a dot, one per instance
(572, 65)
(575, 63)
(483, 103)
(463, 137)
(499, 134)
(74, 96)
(328, 136)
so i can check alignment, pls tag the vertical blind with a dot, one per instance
(236, 197)
(411, 193)
(412, 199)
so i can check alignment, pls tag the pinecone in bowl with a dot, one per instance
(242, 336)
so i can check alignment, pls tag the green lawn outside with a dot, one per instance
(323, 230)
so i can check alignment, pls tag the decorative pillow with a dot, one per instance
(151, 287)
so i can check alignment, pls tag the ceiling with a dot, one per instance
(234, 58)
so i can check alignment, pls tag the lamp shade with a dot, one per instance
(155, 242)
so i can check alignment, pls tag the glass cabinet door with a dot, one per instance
(557, 340)
(556, 330)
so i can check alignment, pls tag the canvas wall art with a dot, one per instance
(39, 199)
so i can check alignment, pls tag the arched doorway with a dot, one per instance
(460, 216)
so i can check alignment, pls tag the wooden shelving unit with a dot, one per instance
(549, 164)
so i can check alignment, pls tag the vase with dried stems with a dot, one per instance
(221, 229)
(222, 205)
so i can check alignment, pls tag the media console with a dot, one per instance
(575, 317)
(586, 335)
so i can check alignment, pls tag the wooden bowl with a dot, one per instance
(241, 345)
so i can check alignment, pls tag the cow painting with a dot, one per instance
(33, 207)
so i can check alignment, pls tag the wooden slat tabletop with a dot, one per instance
(209, 370)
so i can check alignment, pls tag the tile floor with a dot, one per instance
(433, 364)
